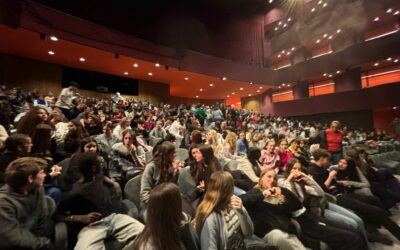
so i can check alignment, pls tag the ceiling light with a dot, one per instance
(197, 96)
(324, 5)
(325, 35)
(338, 72)
(135, 65)
(249, 94)
(241, 88)
(186, 78)
(279, 87)
(228, 96)
(288, 85)
(251, 83)
(389, 10)
(201, 90)
(280, 23)
(224, 78)
(289, 19)
(288, 53)
(318, 41)
(376, 19)
(258, 91)
(50, 52)
(313, 9)
(270, 1)
(293, 48)
(260, 87)
(376, 64)
(325, 74)
(330, 37)
(319, 2)
(233, 93)
(54, 38)
(82, 59)
(284, 26)
(389, 59)
(150, 74)
(211, 84)
(396, 61)
(330, 76)
(396, 13)
(279, 56)
(157, 65)
(283, 84)
(276, 28)
(126, 73)
(338, 31)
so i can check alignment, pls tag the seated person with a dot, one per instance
(250, 164)
(24, 211)
(92, 208)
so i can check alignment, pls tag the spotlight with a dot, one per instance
(279, 56)
(288, 85)
(157, 65)
(126, 73)
(389, 10)
(293, 48)
(313, 9)
(201, 90)
(211, 84)
(50, 52)
(224, 78)
(289, 19)
(54, 38)
(376, 64)
(249, 94)
(260, 87)
(325, 35)
(233, 93)
(228, 96)
(82, 59)
(396, 61)
(280, 23)
(319, 2)
(258, 91)
(330, 37)
(325, 74)
(329, 76)
(338, 72)
(197, 96)
(251, 83)
(241, 88)
(338, 31)
(396, 13)
(186, 78)
(376, 19)
(276, 28)
(135, 65)
(150, 74)
(389, 59)
(284, 26)
(324, 5)
(318, 41)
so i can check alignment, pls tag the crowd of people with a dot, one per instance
(250, 181)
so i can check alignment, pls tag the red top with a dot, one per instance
(333, 140)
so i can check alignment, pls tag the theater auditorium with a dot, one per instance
(200, 125)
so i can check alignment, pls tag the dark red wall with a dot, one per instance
(365, 99)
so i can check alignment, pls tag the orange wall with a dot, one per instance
(380, 79)
(317, 88)
(282, 96)
(235, 101)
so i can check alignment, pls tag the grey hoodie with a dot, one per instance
(23, 219)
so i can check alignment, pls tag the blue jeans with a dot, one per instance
(344, 218)
(55, 194)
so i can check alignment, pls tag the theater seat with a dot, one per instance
(132, 191)
(182, 154)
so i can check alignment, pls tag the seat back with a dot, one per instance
(182, 154)
(132, 190)
(148, 156)
(232, 165)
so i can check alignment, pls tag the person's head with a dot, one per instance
(26, 107)
(87, 164)
(335, 125)
(302, 143)
(267, 179)
(25, 173)
(254, 155)
(216, 199)
(164, 155)
(19, 144)
(342, 164)
(283, 145)
(108, 128)
(171, 138)
(72, 126)
(292, 164)
(124, 123)
(196, 137)
(294, 144)
(270, 146)
(202, 153)
(73, 86)
(159, 124)
(163, 221)
(129, 137)
(242, 136)
(89, 144)
(321, 157)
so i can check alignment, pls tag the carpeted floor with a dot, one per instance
(396, 245)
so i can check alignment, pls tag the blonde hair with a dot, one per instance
(217, 197)
(214, 142)
(281, 197)
(231, 140)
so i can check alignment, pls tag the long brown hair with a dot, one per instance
(209, 161)
(162, 160)
(217, 197)
(164, 216)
